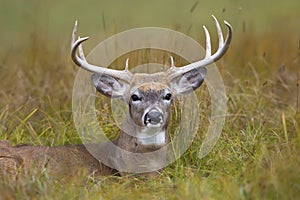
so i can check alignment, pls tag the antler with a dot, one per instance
(81, 61)
(175, 72)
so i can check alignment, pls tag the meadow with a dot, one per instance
(258, 153)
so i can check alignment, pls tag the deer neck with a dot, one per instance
(136, 139)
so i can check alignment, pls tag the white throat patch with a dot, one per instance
(152, 137)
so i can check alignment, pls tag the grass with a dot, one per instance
(257, 155)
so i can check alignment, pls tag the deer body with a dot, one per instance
(58, 161)
(148, 96)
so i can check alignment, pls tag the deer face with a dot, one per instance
(149, 96)
(149, 105)
(149, 100)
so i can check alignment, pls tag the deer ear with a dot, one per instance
(109, 86)
(189, 81)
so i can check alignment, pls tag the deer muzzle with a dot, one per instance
(153, 118)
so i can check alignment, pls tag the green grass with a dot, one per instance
(258, 153)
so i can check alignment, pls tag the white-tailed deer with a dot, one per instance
(148, 97)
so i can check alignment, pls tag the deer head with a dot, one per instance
(149, 96)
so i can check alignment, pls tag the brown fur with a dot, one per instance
(60, 161)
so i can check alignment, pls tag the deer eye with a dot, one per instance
(135, 97)
(168, 97)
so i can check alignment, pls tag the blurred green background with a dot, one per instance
(19, 19)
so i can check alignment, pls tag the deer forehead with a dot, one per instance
(152, 86)
(149, 82)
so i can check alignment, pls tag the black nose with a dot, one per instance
(153, 117)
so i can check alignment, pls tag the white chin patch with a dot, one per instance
(150, 137)
(149, 125)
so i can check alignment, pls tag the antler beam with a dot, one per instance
(175, 72)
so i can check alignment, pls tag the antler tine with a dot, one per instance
(81, 61)
(208, 43)
(74, 34)
(172, 61)
(126, 64)
(219, 31)
(80, 50)
(75, 44)
(229, 35)
(175, 72)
